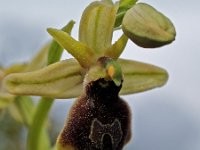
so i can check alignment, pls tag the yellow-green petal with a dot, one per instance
(147, 27)
(139, 77)
(117, 48)
(51, 81)
(55, 50)
(83, 54)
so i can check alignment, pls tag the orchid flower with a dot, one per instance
(96, 64)
(65, 79)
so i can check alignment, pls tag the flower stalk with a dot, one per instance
(37, 130)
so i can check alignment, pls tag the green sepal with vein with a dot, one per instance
(65, 79)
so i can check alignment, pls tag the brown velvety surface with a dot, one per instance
(98, 120)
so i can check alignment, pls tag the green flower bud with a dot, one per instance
(147, 27)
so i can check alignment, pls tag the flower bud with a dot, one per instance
(147, 27)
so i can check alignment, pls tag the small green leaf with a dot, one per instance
(52, 81)
(147, 27)
(139, 77)
(80, 51)
(117, 48)
(96, 25)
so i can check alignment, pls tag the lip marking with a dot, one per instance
(98, 130)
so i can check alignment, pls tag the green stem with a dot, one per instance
(25, 107)
(35, 135)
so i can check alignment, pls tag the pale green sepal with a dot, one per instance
(139, 77)
(96, 25)
(51, 81)
(117, 48)
(6, 98)
(80, 51)
(107, 2)
(147, 27)
(74, 92)
(14, 69)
